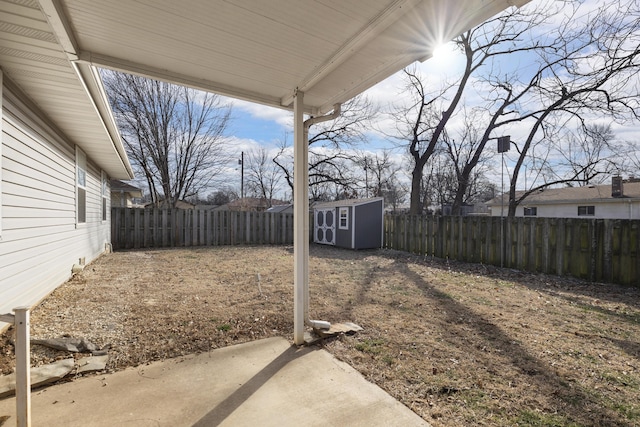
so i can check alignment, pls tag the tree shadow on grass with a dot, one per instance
(579, 404)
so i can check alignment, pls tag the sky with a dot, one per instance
(255, 125)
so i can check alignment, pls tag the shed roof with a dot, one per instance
(348, 202)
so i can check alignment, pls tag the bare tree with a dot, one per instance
(393, 191)
(264, 177)
(590, 68)
(328, 159)
(438, 184)
(631, 155)
(174, 135)
(422, 124)
(584, 64)
(378, 168)
(589, 153)
(467, 158)
(222, 196)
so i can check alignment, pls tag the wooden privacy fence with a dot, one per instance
(592, 249)
(159, 228)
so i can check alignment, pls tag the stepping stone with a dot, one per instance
(39, 376)
(92, 363)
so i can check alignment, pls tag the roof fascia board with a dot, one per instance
(61, 27)
(88, 78)
(527, 202)
(579, 201)
(370, 80)
(368, 32)
(92, 83)
(116, 64)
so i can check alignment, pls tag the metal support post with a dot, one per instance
(300, 219)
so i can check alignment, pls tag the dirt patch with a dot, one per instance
(460, 344)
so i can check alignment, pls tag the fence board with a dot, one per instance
(148, 228)
(595, 250)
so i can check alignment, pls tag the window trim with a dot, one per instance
(589, 210)
(345, 211)
(81, 172)
(104, 205)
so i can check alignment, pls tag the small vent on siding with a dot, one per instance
(27, 32)
(34, 56)
(29, 3)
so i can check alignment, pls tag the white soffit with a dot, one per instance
(261, 51)
(34, 64)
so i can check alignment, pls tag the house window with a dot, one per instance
(343, 224)
(586, 210)
(81, 187)
(531, 211)
(105, 192)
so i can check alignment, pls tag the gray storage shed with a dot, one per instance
(352, 223)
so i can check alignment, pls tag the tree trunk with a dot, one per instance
(415, 207)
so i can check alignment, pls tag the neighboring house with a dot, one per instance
(467, 210)
(122, 194)
(618, 200)
(59, 148)
(288, 208)
(251, 204)
(180, 204)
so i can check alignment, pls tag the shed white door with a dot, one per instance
(325, 226)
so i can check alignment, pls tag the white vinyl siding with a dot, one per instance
(40, 242)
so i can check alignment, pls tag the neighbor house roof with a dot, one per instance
(255, 202)
(281, 208)
(119, 186)
(590, 193)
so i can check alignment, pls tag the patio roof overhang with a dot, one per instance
(302, 55)
(262, 51)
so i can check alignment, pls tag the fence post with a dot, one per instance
(23, 364)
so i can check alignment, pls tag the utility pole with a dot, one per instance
(504, 143)
(366, 179)
(241, 163)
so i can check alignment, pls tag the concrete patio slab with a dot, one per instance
(266, 383)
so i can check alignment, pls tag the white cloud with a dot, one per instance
(282, 117)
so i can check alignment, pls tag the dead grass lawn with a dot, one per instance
(459, 344)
